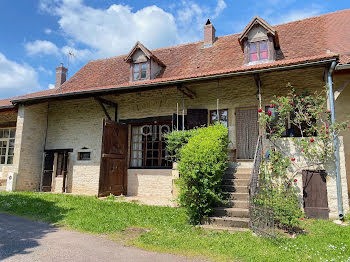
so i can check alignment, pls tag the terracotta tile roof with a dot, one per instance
(6, 103)
(311, 39)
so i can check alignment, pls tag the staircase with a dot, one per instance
(3, 184)
(234, 216)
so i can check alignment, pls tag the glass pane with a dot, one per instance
(1, 133)
(6, 133)
(136, 75)
(214, 117)
(12, 142)
(10, 160)
(2, 160)
(252, 48)
(3, 151)
(12, 133)
(253, 57)
(143, 66)
(11, 150)
(143, 74)
(263, 46)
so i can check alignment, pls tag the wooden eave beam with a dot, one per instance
(187, 92)
(98, 99)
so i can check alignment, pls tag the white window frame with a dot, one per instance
(7, 140)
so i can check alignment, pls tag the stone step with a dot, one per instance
(238, 176)
(236, 189)
(231, 212)
(242, 164)
(236, 222)
(237, 203)
(236, 182)
(236, 196)
(221, 228)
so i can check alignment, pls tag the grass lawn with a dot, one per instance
(168, 230)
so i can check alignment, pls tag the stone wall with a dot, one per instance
(29, 146)
(77, 124)
(286, 145)
(150, 183)
(342, 110)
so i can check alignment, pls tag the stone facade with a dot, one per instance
(77, 124)
(29, 146)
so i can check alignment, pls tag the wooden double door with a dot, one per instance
(113, 172)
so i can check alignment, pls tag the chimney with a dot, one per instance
(209, 34)
(61, 75)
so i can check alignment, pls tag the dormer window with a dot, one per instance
(140, 71)
(143, 64)
(259, 42)
(258, 51)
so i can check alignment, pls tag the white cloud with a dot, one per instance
(221, 5)
(41, 47)
(16, 78)
(51, 86)
(294, 15)
(77, 54)
(48, 31)
(44, 70)
(113, 31)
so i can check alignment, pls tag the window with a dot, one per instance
(223, 117)
(84, 156)
(140, 71)
(7, 145)
(258, 51)
(148, 147)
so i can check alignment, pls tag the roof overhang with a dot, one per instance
(158, 84)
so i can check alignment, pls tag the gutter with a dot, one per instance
(342, 67)
(335, 141)
(172, 82)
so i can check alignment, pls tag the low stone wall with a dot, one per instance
(287, 146)
(155, 183)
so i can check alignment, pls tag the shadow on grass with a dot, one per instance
(19, 235)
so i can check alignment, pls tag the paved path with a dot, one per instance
(24, 240)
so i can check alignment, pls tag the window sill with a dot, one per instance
(259, 62)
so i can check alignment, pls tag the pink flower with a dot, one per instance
(295, 180)
(289, 184)
(272, 105)
(303, 150)
(301, 218)
(329, 111)
(259, 110)
(269, 113)
(312, 140)
(326, 132)
(291, 102)
(293, 159)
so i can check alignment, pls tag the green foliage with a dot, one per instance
(168, 231)
(110, 197)
(286, 208)
(176, 140)
(203, 161)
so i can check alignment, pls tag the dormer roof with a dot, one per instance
(145, 50)
(258, 21)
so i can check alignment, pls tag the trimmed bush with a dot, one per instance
(176, 140)
(203, 161)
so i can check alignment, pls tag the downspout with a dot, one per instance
(335, 142)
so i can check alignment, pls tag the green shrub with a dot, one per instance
(203, 161)
(287, 210)
(176, 140)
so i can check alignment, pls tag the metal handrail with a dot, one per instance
(256, 166)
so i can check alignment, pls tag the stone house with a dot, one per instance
(100, 132)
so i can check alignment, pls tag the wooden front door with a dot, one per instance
(113, 174)
(247, 132)
(46, 185)
(315, 194)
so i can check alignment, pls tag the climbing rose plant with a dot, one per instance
(308, 116)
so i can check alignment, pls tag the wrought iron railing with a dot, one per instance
(260, 198)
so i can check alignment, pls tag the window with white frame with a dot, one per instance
(148, 146)
(7, 145)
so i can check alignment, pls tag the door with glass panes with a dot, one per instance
(7, 145)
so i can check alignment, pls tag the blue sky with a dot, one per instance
(36, 35)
